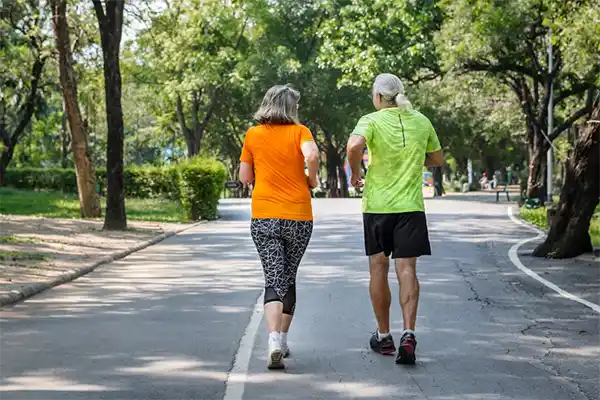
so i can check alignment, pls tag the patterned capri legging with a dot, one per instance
(281, 245)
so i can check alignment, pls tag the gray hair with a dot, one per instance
(390, 87)
(279, 106)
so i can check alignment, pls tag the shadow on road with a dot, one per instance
(165, 323)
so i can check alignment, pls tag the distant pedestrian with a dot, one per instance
(400, 141)
(272, 161)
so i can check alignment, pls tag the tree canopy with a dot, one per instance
(194, 71)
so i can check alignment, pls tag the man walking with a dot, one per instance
(400, 141)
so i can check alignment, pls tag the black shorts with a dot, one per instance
(403, 235)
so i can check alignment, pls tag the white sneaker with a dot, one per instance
(285, 350)
(275, 356)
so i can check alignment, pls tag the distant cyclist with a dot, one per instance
(400, 141)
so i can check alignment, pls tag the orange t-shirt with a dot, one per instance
(280, 183)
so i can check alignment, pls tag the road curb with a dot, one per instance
(27, 291)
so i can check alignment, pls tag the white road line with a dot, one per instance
(512, 254)
(236, 379)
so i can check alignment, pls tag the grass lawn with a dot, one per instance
(538, 218)
(61, 205)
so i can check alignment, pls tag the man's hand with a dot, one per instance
(357, 181)
(313, 182)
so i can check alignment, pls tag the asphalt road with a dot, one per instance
(166, 322)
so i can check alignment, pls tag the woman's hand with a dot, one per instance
(312, 182)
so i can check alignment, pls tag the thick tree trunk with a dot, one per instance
(86, 176)
(111, 24)
(115, 198)
(569, 230)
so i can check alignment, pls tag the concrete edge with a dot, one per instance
(29, 290)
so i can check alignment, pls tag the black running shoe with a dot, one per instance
(406, 351)
(384, 346)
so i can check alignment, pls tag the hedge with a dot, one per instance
(201, 182)
(196, 183)
(140, 182)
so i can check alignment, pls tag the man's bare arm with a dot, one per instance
(355, 150)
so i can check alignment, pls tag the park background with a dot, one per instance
(138, 109)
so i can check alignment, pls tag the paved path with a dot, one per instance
(166, 322)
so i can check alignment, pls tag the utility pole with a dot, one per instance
(550, 120)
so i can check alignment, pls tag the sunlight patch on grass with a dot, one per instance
(537, 217)
(60, 205)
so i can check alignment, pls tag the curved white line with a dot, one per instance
(512, 254)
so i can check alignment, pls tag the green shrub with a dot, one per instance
(201, 182)
(63, 180)
(151, 182)
(197, 183)
(140, 182)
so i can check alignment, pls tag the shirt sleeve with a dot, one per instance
(364, 128)
(246, 156)
(433, 143)
(305, 135)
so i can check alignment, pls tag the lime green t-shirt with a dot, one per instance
(398, 140)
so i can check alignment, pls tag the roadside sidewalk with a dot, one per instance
(39, 253)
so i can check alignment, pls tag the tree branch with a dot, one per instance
(117, 17)
(211, 107)
(589, 105)
(28, 107)
(574, 90)
(181, 117)
(236, 130)
(241, 35)
(99, 13)
(500, 67)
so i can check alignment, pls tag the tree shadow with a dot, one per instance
(166, 322)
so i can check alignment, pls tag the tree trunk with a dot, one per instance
(343, 180)
(111, 23)
(569, 231)
(333, 161)
(26, 110)
(86, 176)
(438, 183)
(7, 155)
(194, 134)
(64, 141)
(537, 166)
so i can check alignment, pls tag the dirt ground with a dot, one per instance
(34, 249)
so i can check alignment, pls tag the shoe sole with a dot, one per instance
(276, 360)
(405, 358)
(386, 352)
(389, 352)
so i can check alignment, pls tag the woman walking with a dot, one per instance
(273, 160)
